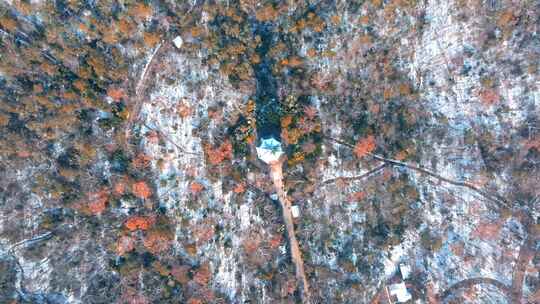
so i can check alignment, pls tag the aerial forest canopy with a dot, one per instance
(409, 141)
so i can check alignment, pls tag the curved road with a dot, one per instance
(526, 253)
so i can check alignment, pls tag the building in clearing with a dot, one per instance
(295, 211)
(400, 291)
(405, 270)
(269, 151)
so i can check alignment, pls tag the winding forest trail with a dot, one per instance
(527, 250)
(276, 170)
(514, 292)
(526, 254)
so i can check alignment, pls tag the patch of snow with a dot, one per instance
(244, 217)
(226, 273)
(398, 252)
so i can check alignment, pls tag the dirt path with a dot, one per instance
(140, 90)
(468, 283)
(277, 177)
(526, 254)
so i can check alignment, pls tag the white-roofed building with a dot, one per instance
(269, 151)
(399, 290)
(178, 42)
(405, 270)
(295, 211)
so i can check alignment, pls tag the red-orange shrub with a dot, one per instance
(97, 202)
(364, 146)
(141, 190)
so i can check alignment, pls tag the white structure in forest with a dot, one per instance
(269, 151)
(295, 211)
(178, 42)
(405, 270)
(400, 291)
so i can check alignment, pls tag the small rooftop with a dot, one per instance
(269, 151)
(405, 270)
(400, 291)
